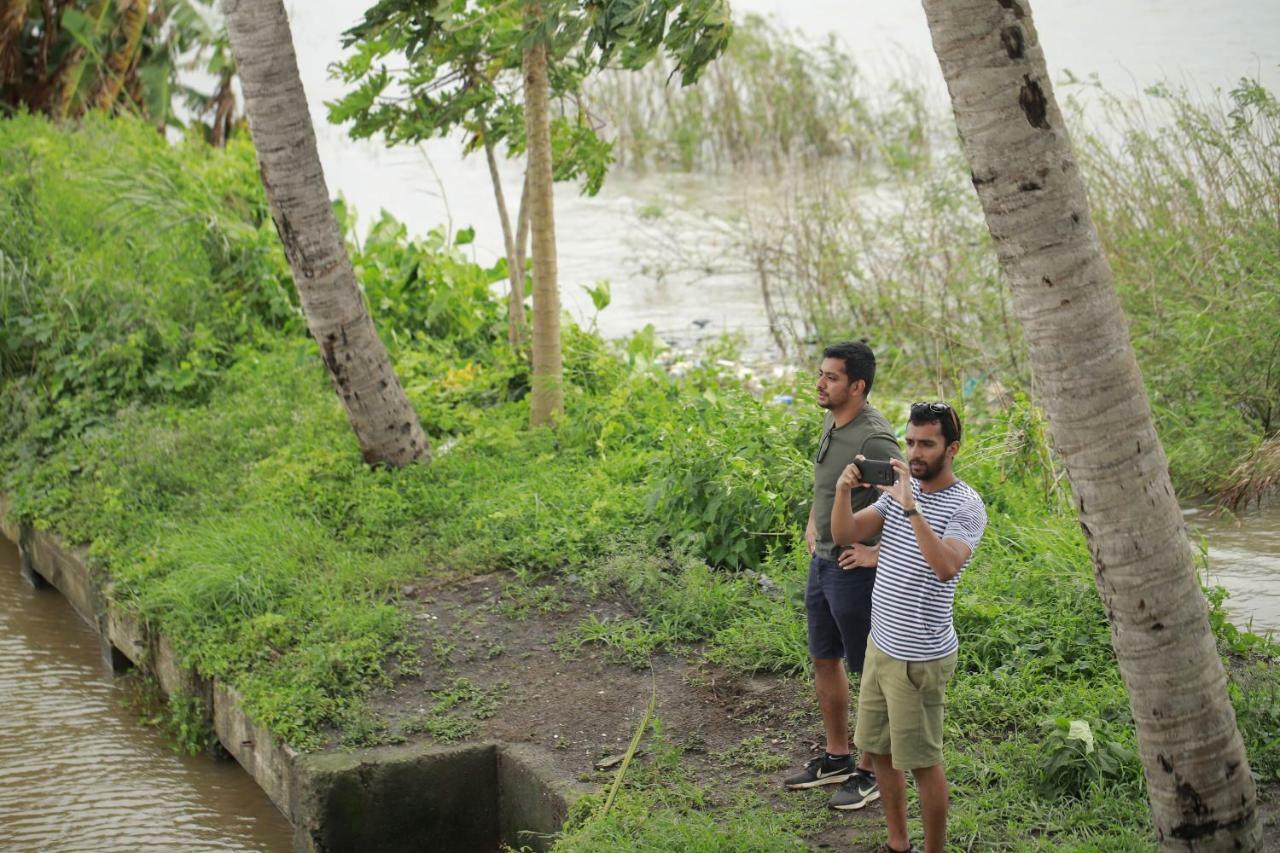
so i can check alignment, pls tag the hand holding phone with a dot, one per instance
(876, 473)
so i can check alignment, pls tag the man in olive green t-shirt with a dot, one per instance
(838, 597)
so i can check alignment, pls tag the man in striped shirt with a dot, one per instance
(929, 523)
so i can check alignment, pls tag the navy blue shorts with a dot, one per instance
(838, 604)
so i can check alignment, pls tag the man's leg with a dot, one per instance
(893, 795)
(833, 700)
(849, 593)
(932, 785)
(830, 683)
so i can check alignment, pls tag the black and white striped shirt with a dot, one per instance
(910, 607)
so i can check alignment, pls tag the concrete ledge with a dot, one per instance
(409, 798)
(270, 762)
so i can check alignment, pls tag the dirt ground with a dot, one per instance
(582, 706)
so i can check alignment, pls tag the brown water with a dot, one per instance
(1244, 557)
(79, 771)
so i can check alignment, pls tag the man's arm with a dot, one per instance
(945, 556)
(848, 527)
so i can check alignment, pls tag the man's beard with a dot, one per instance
(931, 470)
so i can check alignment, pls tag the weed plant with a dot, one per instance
(130, 269)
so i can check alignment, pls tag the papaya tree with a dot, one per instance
(512, 74)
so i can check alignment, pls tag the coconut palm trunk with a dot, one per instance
(385, 424)
(13, 17)
(547, 398)
(1086, 378)
(132, 17)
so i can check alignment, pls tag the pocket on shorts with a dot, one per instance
(917, 674)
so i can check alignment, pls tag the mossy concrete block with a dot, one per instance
(533, 797)
(399, 800)
(126, 632)
(66, 569)
(269, 761)
(9, 527)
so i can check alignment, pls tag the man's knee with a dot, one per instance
(828, 665)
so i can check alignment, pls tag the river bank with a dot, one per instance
(212, 474)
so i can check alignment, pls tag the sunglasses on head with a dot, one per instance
(938, 409)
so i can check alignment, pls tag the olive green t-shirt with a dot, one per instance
(869, 434)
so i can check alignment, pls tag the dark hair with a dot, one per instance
(859, 361)
(937, 413)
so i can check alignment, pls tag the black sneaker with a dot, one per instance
(860, 790)
(821, 771)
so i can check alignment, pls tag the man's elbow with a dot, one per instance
(945, 572)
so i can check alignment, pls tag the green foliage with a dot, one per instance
(136, 281)
(426, 290)
(459, 68)
(735, 473)
(661, 807)
(1189, 213)
(239, 520)
(64, 59)
(455, 712)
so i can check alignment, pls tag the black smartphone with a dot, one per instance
(875, 473)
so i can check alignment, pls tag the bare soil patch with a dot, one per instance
(497, 642)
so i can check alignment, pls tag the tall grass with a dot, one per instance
(772, 100)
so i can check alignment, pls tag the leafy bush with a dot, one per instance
(734, 476)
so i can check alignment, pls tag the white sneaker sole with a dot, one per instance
(871, 798)
(836, 779)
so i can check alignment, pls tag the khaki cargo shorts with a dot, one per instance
(900, 708)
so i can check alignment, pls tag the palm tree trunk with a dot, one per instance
(1198, 781)
(13, 16)
(515, 272)
(547, 399)
(385, 424)
(132, 19)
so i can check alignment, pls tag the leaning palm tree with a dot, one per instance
(385, 424)
(1086, 377)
